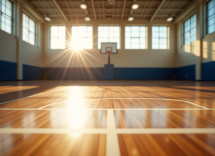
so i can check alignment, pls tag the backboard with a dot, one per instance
(108, 46)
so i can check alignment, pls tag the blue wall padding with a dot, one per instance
(32, 72)
(8, 70)
(208, 71)
(186, 72)
(143, 73)
(74, 73)
(109, 72)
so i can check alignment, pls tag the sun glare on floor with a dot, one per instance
(76, 114)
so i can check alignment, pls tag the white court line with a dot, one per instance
(165, 130)
(131, 98)
(36, 109)
(106, 131)
(112, 145)
(49, 105)
(35, 95)
(52, 130)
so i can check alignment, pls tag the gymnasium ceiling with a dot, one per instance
(101, 9)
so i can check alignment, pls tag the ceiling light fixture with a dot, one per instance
(47, 18)
(169, 19)
(83, 5)
(130, 18)
(87, 18)
(135, 5)
(111, 1)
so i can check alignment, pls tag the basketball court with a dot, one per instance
(107, 118)
(107, 77)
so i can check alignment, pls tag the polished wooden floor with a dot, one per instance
(112, 118)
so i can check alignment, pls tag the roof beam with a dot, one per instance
(113, 10)
(51, 9)
(165, 9)
(123, 9)
(60, 10)
(146, 10)
(131, 10)
(103, 8)
(86, 12)
(94, 12)
(110, 14)
(120, 1)
(186, 11)
(116, 9)
(33, 11)
(142, 10)
(161, 4)
(71, 9)
(176, 10)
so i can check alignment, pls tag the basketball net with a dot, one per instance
(108, 52)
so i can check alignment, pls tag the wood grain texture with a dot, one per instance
(74, 119)
(9, 89)
(71, 99)
(201, 93)
(49, 103)
(164, 118)
(53, 144)
(167, 144)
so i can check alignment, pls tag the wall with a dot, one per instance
(189, 55)
(208, 61)
(7, 56)
(196, 60)
(16, 53)
(31, 60)
(124, 60)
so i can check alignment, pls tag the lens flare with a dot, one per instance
(76, 46)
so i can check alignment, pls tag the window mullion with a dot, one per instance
(0, 14)
(28, 29)
(159, 37)
(190, 30)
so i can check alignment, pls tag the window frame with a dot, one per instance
(12, 17)
(213, 16)
(145, 37)
(58, 37)
(183, 33)
(86, 32)
(35, 28)
(110, 41)
(167, 37)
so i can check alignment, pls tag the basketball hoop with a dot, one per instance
(108, 52)
(108, 48)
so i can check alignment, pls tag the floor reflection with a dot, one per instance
(28, 118)
(75, 108)
(164, 118)
(53, 144)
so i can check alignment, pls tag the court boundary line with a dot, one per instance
(32, 95)
(112, 142)
(36, 109)
(112, 145)
(105, 130)
(128, 99)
